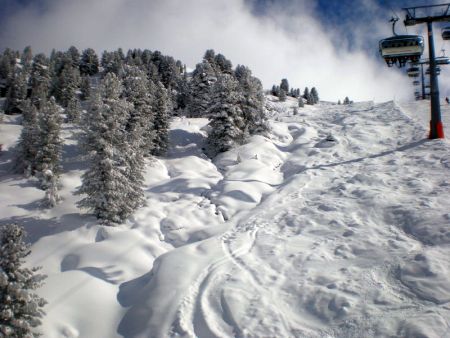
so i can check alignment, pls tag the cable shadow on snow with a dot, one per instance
(361, 159)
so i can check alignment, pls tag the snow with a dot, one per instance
(337, 224)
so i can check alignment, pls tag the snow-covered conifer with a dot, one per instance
(39, 80)
(112, 62)
(20, 308)
(85, 87)
(284, 85)
(310, 99)
(210, 56)
(274, 90)
(282, 95)
(227, 121)
(106, 183)
(74, 55)
(169, 72)
(89, 62)
(203, 78)
(223, 64)
(252, 104)
(301, 104)
(139, 91)
(68, 83)
(161, 121)
(7, 63)
(146, 58)
(50, 143)
(28, 141)
(73, 110)
(306, 93)
(315, 95)
(153, 73)
(26, 58)
(184, 92)
(17, 91)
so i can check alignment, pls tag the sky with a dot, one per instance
(329, 44)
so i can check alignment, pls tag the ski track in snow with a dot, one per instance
(337, 225)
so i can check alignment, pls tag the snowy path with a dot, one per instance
(337, 225)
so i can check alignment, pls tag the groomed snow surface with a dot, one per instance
(335, 225)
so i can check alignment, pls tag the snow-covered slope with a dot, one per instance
(336, 225)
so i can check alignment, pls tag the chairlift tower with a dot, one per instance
(413, 18)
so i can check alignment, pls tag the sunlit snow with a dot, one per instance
(337, 224)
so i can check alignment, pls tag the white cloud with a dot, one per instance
(289, 43)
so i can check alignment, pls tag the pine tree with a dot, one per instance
(153, 73)
(184, 92)
(7, 64)
(161, 122)
(223, 64)
(227, 122)
(89, 62)
(39, 80)
(20, 308)
(252, 104)
(139, 91)
(274, 91)
(310, 99)
(58, 61)
(282, 95)
(315, 95)
(75, 57)
(346, 100)
(284, 85)
(107, 183)
(112, 62)
(48, 159)
(85, 87)
(306, 93)
(68, 83)
(73, 110)
(169, 72)
(339, 102)
(210, 56)
(301, 104)
(146, 58)
(26, 58)
(28, 141)
(17, 92)
(203, 78)
(139, 131)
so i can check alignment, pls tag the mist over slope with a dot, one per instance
(337, 224)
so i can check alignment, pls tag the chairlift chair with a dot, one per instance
(401, 49)
(413, 71)
(438, 70)
(416, 83)
(442, 60)
(446, 33)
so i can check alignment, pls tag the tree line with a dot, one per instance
(123, 104)
(282, 91)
